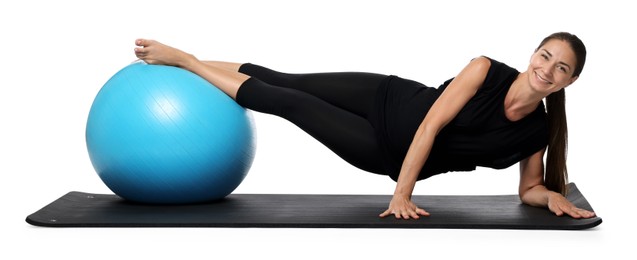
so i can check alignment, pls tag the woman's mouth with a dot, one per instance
(539, 77)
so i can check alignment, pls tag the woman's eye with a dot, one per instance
(561, 68)
(545, 57)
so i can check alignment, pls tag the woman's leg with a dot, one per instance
(349, 135)
(352, 91)
(231, 66)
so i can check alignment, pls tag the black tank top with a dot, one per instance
(480, 135)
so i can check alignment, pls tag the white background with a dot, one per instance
(55, 56)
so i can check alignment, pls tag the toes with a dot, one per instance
(143, 42)
(141, 50)
(141, 53)
(145, 48)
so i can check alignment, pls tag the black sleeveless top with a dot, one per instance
(480, 135)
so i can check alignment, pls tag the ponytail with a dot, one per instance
(556, 175)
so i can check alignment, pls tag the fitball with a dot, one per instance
(163, 135)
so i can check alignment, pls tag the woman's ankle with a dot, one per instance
(188, 61)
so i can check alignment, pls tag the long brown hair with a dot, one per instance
(556, 175)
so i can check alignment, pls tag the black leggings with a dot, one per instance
(331, 107)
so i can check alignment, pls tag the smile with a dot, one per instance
(537, 75)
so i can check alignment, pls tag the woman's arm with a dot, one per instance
(447, 106)
(533, 192)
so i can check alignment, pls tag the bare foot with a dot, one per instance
(154, 52)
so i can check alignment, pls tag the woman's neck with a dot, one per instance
(521, 99)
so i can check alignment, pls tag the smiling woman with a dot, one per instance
(489, 115)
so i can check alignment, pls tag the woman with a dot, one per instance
(489, 115)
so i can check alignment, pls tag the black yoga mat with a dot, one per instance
(78, 209)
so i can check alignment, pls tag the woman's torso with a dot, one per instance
(480, 135)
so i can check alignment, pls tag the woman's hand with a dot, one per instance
(403, 207)
(533, 192)
(559, 205)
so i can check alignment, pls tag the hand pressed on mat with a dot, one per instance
(559, 205)
(403, 207)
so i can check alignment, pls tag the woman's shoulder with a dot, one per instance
(499, 75)
(497, 68)
(496, 64)
(483, 59)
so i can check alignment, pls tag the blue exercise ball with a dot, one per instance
(163, 135)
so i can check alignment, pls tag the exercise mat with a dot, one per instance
(78, 209)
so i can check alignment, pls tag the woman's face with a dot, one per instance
(551, 67)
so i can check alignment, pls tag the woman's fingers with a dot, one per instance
(560, 206)
(422, 212)
(385, 213)
(405, 213)
(575, 212)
